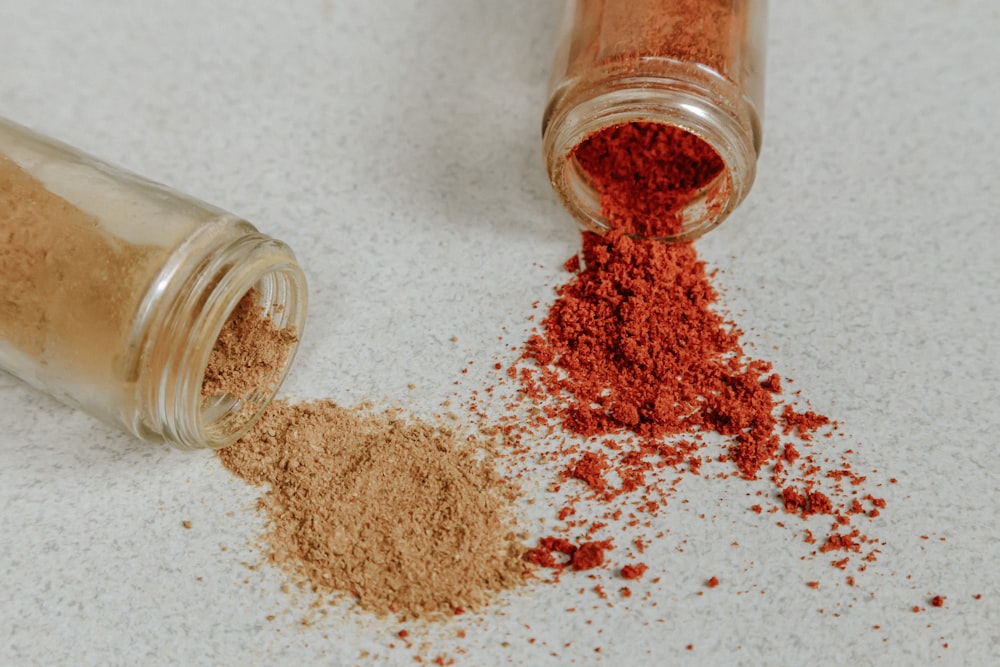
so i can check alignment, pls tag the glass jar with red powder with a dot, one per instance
(653, 124)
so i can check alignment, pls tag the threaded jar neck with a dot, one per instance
(181, 318)
(691, 98)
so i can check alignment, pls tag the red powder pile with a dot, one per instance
(636, 368)
(646, 173)
(640, 351)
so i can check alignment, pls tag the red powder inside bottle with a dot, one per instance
(646, 174)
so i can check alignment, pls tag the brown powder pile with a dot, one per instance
(400, 514)
(249, 353)
(70, 289)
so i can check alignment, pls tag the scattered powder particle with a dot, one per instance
(805, 422)
(186, 524)
(713, 582)
(544, 554)
(634, 571)
(397, 513)
(938, 600)
(590, 555)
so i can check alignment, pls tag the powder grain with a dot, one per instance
(399, 514)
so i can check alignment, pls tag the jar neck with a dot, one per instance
(180, 319)
(683, 95)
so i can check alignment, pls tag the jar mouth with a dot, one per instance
(691, 209)
(180, 323)
(701, 108)
(224, 416)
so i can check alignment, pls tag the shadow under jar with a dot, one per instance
(653, 124)
(115, 290)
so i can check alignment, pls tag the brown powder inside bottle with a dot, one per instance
(400, 514)
(71, 290)
(250, 352)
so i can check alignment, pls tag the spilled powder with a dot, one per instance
(402, 515)
(641, 376)
(249, 353)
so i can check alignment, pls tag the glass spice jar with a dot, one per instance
(115, 290)
(695, 65)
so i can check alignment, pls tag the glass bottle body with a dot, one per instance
(115, 290)
(697, 65)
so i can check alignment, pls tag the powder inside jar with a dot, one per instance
(71, 288)
(250, 352)
(647, 174)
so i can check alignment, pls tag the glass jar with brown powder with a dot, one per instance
(653, 124)
(149, 309)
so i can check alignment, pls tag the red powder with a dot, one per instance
(590, 555)
(634, 571)
(633, 371)
(646, 173)
(641, 366)
(590, 469)
(713, 582)
(805, 422)
(544, 554)
(642, 351)
(938, 600)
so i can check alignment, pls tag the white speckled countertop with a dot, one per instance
(397, 151)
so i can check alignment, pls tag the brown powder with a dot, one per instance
(70, 288)
(397, 513)
(249, 353)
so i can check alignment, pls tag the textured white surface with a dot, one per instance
(395, 147)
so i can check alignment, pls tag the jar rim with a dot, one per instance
(689, 100)
(183, 315)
